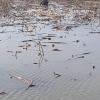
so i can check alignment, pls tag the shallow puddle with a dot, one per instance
(50, 53)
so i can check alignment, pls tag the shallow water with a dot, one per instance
(70, 52)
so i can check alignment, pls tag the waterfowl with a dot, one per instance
(93, 67)
(56, 74)
(44, 2)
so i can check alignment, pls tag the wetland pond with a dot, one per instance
(50, 53)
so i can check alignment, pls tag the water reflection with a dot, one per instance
(50, 53)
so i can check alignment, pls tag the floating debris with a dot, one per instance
(23, 80)
(10, 51)
(30, 85)
(53, 45)
(61, 36)
(56, 42)
(93, 66)
(57, 27)
(91, 73)
(76, 41)
(68, 28)
(18, 51)
(77, 56)
(21, 46)
(44, 45)
(49, 38)
(86, 53)
(72, 56)
(27, 41)
(44, 38)
(3, 93)
(35, 63)
(75, 79)
(84, 44)
(80, 57)
(95, 32)
(56, 50)
(83, 53)
(20, 78)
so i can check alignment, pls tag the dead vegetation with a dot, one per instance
(81, 11)
(25, 14)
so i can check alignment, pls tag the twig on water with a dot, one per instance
(23, 80)
(20, 78)
(41, 53)
(30, 85)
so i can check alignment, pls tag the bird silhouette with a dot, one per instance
(44, 2)
(93, 67)
(56, 74)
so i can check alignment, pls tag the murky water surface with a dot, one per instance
(50, 53)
